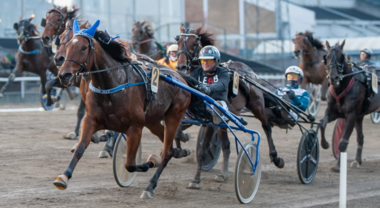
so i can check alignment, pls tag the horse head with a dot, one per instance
(80, 53)
(56, 22)
(140, 32)
(336, 63)
(25, 29)
(190, 42)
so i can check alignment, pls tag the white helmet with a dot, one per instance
(173, 47)
(368, 51)
(294, 69)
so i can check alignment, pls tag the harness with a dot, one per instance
(26, 36)
(189, 57)
(135, 66)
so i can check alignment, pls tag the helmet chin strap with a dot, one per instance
(173, 58)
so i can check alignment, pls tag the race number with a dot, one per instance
(374, 83)
(154, 79)
(235, 85)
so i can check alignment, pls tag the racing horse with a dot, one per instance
(108, 63)
(32, 56)
(311, 63)
(348, 100)
(57, 21)
(190, 43)
(143, 41)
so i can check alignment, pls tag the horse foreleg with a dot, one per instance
(324, 88)
(329, 116)
(48, 88)
(11, 78)
(88, 128)
(348, 128)
(133, 143)
(206, 139)
(222, 134)
(360, 139)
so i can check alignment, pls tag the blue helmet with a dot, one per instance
(210, 52)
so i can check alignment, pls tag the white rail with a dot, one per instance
(22, 81)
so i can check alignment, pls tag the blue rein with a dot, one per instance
(28, 52)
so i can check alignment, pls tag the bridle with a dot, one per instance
(60, 19)
(305, 52)
(189, 58)
(83, 65)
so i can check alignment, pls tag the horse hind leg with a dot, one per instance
(222, 134)
(206, 139)
(172, 121)
(11, 78)
(258, 110)
(360, 139)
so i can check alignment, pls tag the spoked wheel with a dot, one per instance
(315, 98)
(122, 177)
(43, 99)
(337, 135)
(375, 117)
(213, 153)
(308, 157)
(247, 183)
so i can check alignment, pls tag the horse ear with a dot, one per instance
(64, 10)
(324, 59)
(15, 26)
(75, 26)
(91, 31)
(199, 30)
(182, 28)
(328, 45)
(143, 22)
(342, 45)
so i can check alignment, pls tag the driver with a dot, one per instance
(292, 92)
(365, 56)
(171, 57)
(213, 80)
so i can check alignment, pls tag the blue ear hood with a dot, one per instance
(90, 32)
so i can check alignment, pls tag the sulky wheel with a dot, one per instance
(375, 117)
(247, 183)
(315, 98)
(122, 177)
(213, 153)
(337, 135)
(308, 156)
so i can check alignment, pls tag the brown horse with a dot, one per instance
(312, 51)
(348, 100)
(143, 41)
(57, 21)
(190, 43)
(122, 111)
(32, 56)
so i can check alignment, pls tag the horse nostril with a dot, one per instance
(59, 60)
(47, 38)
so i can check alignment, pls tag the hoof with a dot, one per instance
(71, 136)
(186, 152)
(185, 138)
(279, 162)
(193, 185)
(104, 154)
(74, 147)
(325, 145)
(146, 195)
(355, 164)
(62, 107)
(61, 182)
(335, 169)
(154, 159)
(220, 178)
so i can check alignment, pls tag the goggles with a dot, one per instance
(208, 61)
(292, 77)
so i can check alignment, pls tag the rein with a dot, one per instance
(145, 41)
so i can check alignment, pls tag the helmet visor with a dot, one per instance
(292, 76)
(208, 61)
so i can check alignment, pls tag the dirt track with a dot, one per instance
(33, 153)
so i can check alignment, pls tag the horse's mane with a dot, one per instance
(314, 42)
(35, 31)
(71, 13)
(117, 49)
(207, 38)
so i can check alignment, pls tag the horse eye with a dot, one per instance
(84, 48)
